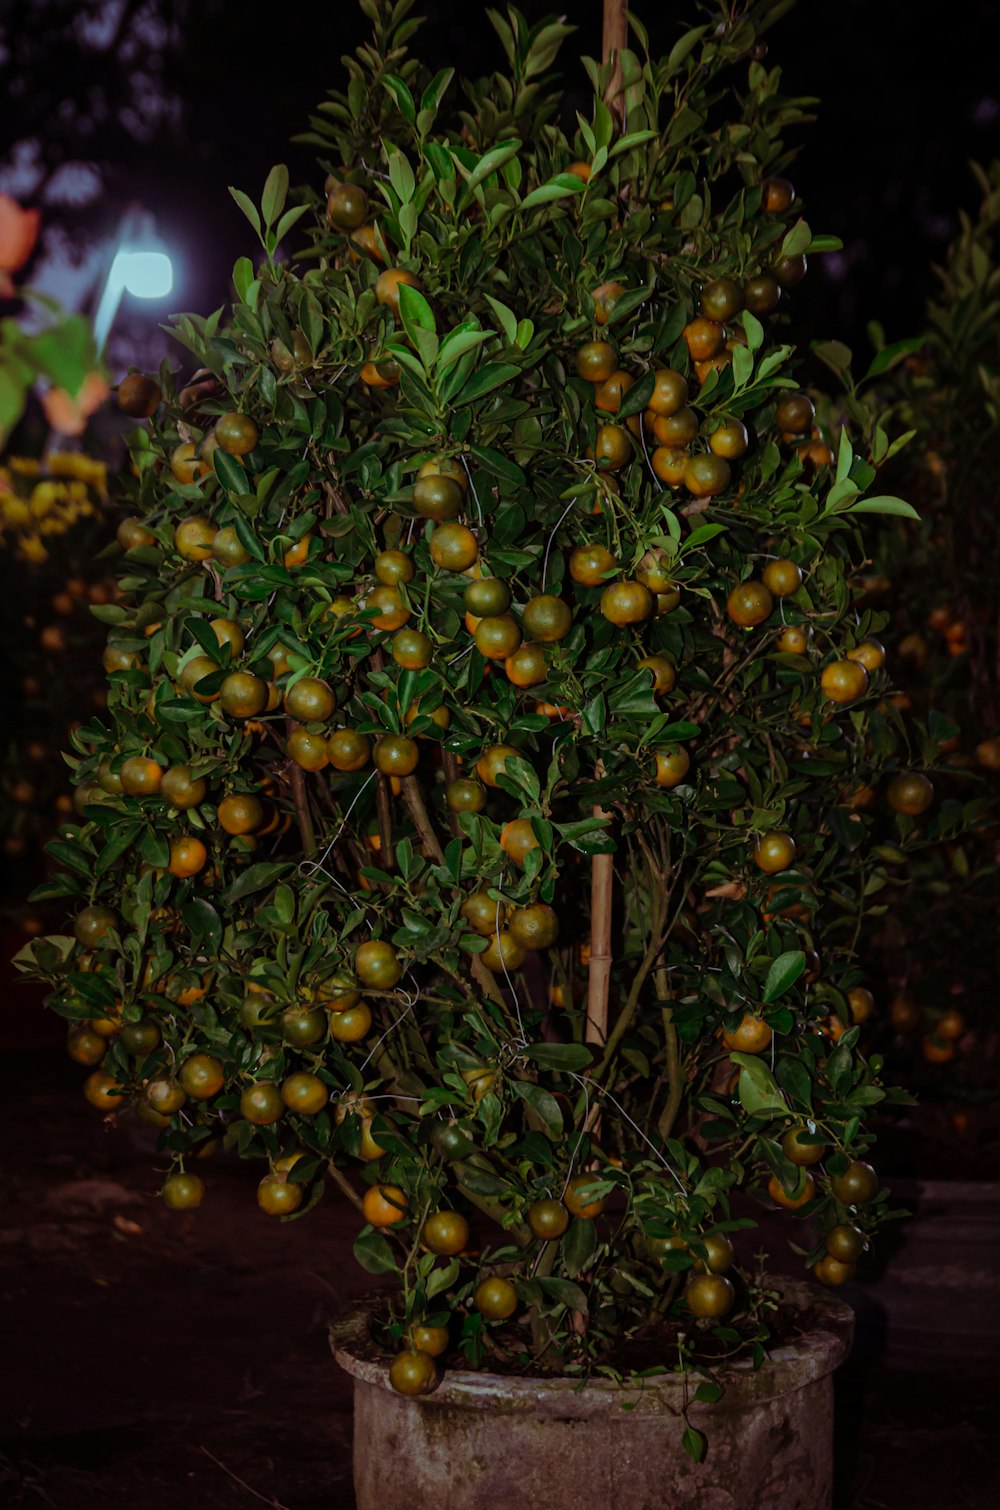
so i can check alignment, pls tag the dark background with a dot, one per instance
(171, 101)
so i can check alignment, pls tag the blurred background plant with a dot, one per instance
(52, 527)
(935, 953)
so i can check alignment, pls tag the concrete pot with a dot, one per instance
(937, 1299)
(483, 1440)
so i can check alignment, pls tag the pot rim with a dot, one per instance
(790, 1367)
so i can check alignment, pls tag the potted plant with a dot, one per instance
(477, 823)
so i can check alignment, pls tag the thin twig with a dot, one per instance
(275, 1504)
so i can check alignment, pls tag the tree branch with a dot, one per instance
(675, 1075)
(414, 798)
(299, 797)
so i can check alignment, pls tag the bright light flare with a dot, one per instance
(143, 274)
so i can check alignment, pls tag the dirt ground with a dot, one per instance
(157, 1360)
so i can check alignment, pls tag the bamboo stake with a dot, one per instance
(615, 38)
(602, 871)
(602, 876)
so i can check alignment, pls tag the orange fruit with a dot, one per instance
(843, 681)
(780, 1196)
(388, 284)
(626, 602)
(187, 857)
(236, 433)
(193, 538)
(782, 578)
(752, 1035)
(596, 361)
(517, 839)
(749, 604)
(591, 565)
(671, 767)
(385, 1205)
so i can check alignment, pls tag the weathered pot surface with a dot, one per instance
(548, 1443)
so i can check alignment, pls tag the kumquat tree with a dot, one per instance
(476, 822)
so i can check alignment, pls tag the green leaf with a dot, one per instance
(565, 1292)
(119, 844)
(485, 380)
(783, 974)
(579, 1245)
(290, 218)
(415, 311)
(884, 504)
(506, 317)
(12, 399)
(230, 472)
(402, 96)
(243, 277)
(490, 163)
(275, 193)
(891, 355)
(439, 1280)
(677, 55)
(758, 1090)
(797, 240)
(637, 397)
(457, 343)
(556, 188)
(401, 175)
(65, 352)
(374, 1253)
(836, 355)
(255, 878)
(248, 207)
(560, 1056)
(543, 1104)
(693, 1443)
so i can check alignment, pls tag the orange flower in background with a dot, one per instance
(68, 413)
(18, 234)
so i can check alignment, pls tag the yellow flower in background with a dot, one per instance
(14, 510)
(75, 464)
(32, 549)
(47, 498)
